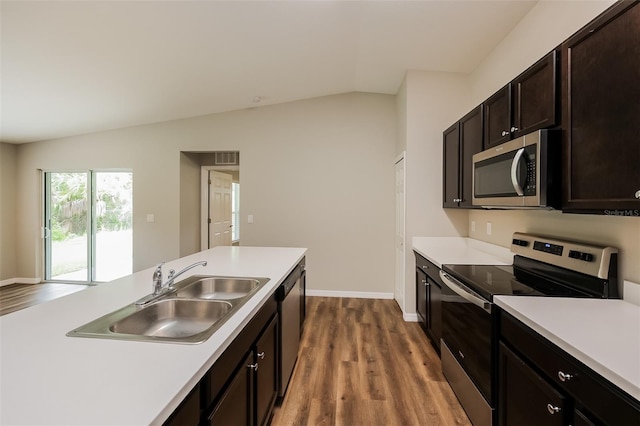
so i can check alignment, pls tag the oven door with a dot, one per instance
(467, 329)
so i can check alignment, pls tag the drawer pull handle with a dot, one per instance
(552, 409)
(564, 377)
(261, 355)
(254, 367)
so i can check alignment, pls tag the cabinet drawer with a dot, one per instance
(428, 268)
(590, 390)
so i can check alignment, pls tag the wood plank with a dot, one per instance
(360, 363)
(14, 297)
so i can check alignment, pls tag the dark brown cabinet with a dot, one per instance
(266, 381)
(540, 405)
(235, 405)
(526, 104)
(540, 384)
(251, 394)
(428, 299)
(601, 106)
(460, 142)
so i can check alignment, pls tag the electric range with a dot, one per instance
(542, 266)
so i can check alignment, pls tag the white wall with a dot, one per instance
(432, 102)
(7, 211)
(190, 199)
(525, 45)
(316, 173)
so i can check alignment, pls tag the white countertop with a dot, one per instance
(461, 251)
(604, 334)
(47, 378)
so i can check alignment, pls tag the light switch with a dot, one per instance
(488, 228)
(250, 218)
(151, 217)
(473, 226)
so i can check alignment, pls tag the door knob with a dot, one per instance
(505, 133)
(514, 129)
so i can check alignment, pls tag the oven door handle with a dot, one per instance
(514, 172)
(464, 292)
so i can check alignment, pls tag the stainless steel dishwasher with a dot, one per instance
(289, 306)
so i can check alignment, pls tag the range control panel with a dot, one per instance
(580, 257)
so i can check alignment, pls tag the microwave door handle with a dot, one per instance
(459, 289)
(514, 172)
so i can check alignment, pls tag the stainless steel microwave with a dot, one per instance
(522, 173)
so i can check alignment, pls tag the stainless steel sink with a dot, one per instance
(191, 313)
(218, 288)
(173, 318)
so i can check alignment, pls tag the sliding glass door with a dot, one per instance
(88, 226)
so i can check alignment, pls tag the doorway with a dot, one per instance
(400, 232)
(220, 206)
(88, 225)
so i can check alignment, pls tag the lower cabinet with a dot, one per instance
(251, 394)
(540, 405)
(236, 404)
(428, 299)
(540, 384)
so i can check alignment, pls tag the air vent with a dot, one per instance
(227, 158)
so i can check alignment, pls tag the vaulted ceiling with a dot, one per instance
(73, 67)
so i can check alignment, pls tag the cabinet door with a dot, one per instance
(266, 380)
(435, 312)
(534, 97)
(525, 398)
(236, 404)
(497, 118)
(470, 143)
(422, 289)
(188, 413)
(451, 167)
(600, 93)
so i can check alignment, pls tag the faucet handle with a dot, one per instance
(172, 272)
(158, 271)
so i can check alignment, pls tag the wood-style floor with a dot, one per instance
(14, 297)
(361, 364)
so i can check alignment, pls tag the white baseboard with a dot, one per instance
(21, 281)
(410, 317)
(354, 294)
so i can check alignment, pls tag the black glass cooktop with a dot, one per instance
(491, 280)
(527, 277)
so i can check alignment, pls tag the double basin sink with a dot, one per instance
(190, 313)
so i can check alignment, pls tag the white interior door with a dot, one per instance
(400, 248)
(219, 209)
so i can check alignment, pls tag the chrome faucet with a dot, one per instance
(159, 288)
(173, 275)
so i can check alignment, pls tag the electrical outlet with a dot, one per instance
(473, 226)
(488, 228)
(250, 218)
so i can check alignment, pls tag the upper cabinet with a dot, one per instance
(601, 114)
(526, 104)
(460, 142)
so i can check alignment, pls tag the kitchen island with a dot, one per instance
(48, 378)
